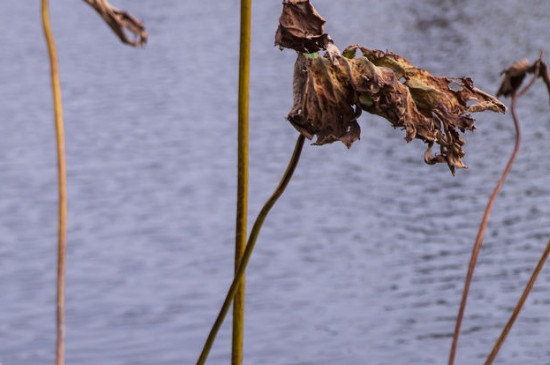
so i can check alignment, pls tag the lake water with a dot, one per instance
(362, 260)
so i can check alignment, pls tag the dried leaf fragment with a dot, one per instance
(322, 95)
(432, 110)
(514, 75)
(120, 22)
(301, 28)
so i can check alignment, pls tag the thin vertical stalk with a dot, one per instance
(242, 179)
(250, 247)
(519, 305)
(62, 183)
(485, 220)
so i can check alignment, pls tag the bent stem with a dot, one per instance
(242, 179)
(62, 183)
(250, 247)
(484, 221)
(519, 305)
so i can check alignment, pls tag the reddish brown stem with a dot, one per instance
(483, 226)
(519, 306)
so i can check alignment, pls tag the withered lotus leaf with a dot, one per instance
(301, 28)
(514, 75)
(120, 22)
(437, 107)
(543, 72)
(323, 100)
(331, 90)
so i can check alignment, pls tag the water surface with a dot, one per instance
(361, 262)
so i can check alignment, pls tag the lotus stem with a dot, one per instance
(62, 183)
(485, 220)
(250, 247)
(242, 180)
(519, 305)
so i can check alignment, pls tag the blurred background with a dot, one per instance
(362, 260)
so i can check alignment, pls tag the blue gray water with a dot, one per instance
(361, 262)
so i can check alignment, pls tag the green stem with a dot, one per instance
(250, 247)
(62, 183)
(242, 179)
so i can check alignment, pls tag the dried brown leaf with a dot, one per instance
(513, 77)
(432, 110)
(323, 100)
(545, 75)
(329, 89)
(301, 28)
(120, 22)
(330, 92)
